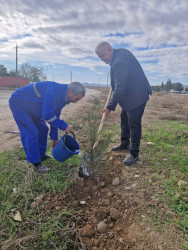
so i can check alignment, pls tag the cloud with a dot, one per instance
(66, 32)
(32, 45)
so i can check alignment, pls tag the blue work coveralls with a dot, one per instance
(31, 106)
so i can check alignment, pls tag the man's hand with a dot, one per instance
(53, 143)
(106, 111)
(68, 129)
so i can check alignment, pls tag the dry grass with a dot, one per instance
(17, 242)
(167, 106)
(163, 106)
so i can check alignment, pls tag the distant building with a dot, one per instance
(185, 89)
(173, 91)
(7, 81)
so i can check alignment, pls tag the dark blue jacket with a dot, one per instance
(43, 100)
(129, 83)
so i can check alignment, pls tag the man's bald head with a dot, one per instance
(102, 44)
(104, 51)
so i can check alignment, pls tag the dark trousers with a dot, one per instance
(131, 128)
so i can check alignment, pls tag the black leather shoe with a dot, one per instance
(46, 157)
(120, 147)
(40, 168)
(131, 159)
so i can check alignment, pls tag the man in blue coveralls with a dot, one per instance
(34, 105)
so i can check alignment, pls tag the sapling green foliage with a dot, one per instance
(94, 155)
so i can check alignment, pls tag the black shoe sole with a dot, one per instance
(120, 149)
(131, 163)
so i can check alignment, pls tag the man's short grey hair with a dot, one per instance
(76, 88)
(102, 44)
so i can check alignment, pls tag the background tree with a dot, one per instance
(162, 85)
(12, 73)
(24, 70)
(177, 86)
(32, 73)
(156, 88)
(168, 85)
(3, 70)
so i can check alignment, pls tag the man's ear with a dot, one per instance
(69, 93)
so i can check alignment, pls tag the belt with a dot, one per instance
(35, 89)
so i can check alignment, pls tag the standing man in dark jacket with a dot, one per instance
(34, 105)
(131, 91)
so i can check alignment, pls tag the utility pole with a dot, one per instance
(16, 65)
(70, 76)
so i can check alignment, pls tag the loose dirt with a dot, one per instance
(128, 208)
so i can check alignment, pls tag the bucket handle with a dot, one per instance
(64, 137)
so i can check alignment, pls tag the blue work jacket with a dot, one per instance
(43, 100)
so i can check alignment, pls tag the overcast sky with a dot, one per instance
(61, 36)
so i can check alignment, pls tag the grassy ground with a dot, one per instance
(167, 154)
(35, 227)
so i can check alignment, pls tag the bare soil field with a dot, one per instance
(160, 106)
(167, 106)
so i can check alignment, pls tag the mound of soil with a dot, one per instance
(117, 208)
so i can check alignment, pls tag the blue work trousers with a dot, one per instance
(131, 129)
(33, 133)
